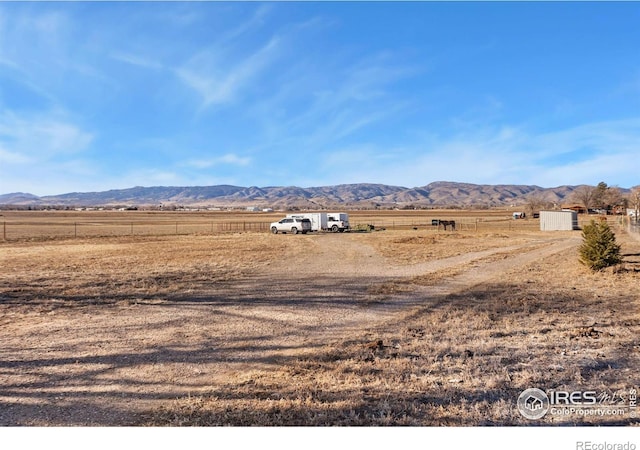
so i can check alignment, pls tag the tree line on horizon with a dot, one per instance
(602, 198)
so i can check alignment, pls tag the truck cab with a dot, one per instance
(337, 222)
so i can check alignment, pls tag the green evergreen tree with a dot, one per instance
(599, 248)
(600, 194)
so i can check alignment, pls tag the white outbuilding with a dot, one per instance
(558, 220)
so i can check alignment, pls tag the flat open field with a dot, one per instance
(216, 326)
(46, 225)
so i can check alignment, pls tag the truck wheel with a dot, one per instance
(334, 228)
(274, 230)
(294, 230)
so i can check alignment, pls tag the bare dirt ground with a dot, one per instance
(384, 328)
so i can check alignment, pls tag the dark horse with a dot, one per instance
(447, 223)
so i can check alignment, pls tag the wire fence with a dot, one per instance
(77, 229)
(52, 229)
(469, 224)
(632, 225)
(25, 227)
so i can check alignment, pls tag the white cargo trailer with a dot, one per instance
(318, 220)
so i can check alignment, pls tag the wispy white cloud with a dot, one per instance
(227, 159)
(44, 34)
(40, 137)
(217, 80)
(614, 169)
(12, 157)
(599, 151)
(220, 71)
(24, 77)
(44, 154)
(52, 178)
(314, 107)
(582, 154)
(508, 154)
(136, 60)
(39, 50)
(488, 109)
(256, 21)
(607, 136)
(8, 63)
(224, 43)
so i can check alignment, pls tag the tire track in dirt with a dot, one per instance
(106, 365)
(330, 297)
(484, 272)
(481, 272)
(360, 259)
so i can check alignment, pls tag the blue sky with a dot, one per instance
(109, 95)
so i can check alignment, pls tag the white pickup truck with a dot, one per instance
(293, 225)
(338, 222)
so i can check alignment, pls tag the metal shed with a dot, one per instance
(558, 220)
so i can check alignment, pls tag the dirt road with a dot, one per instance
(96, 363)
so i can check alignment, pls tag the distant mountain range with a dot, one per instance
(364, 195)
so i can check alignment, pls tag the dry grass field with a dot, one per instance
(397, 327)
(47, 225)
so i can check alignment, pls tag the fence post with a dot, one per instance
(4, 230)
